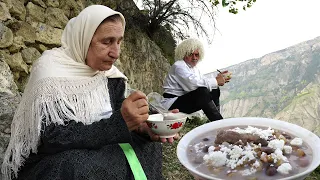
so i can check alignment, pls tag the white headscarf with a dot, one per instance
(61, 88)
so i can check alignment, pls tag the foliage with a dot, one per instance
(315, 175)
(232, 4)
(177, 16)
(171, 167)
(180, 16)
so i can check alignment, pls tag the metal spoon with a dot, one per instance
(163, 112)
(167, 115)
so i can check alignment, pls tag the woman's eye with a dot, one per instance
(106, 42)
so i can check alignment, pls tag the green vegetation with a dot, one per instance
(171, 167)
(178, 17)
(173, 170)
(232, 4)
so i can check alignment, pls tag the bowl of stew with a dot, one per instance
(249, 148)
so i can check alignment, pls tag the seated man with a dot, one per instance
(186, 89)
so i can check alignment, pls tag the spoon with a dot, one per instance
(163, 112)
(167, 115)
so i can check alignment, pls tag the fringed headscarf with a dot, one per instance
(61, 88)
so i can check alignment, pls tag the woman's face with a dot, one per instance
(193, 58)
(104, 48)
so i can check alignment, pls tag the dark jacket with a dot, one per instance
(91, 152)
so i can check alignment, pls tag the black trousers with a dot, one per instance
(194, 100)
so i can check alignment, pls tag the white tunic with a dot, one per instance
(182, 78)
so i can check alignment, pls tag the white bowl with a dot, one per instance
(166, 128)
(308, 137)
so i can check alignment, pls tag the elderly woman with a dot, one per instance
(186, 89)
(73, 121)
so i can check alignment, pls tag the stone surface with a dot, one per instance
(35, 12)
(18, 10)
(52, 3)
(39, 3)
(15, 61)
(6, 36)
(17, 44)
(29, 55)
(25, 30)
(55, 17)
(47, 34)
(9, 99)
(4, 12)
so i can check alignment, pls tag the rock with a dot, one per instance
(52, 3)
(18, 10)
(29, 55)
(39, 3)
(35, 13)
(15, 61)
(6, 36)
(25, 30)
(55, 17)
(17, 44)
(9, 100)
(4, 12)
(47, 34)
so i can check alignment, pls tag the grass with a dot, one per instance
(173, 170)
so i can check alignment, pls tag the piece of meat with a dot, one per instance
(227, 136)
(233, 137)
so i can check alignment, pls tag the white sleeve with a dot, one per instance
(189, 81)
(212, 78)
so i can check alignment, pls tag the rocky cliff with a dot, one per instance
(284, 85)
(29, 27)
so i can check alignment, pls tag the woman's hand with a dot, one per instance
(135, 110)
(144, 128)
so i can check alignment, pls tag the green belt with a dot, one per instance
(133, 160)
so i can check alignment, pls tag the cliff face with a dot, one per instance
(284, 85)
(29, 27)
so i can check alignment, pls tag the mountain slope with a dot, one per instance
(282, 85)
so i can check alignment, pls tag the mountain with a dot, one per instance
(282, 85)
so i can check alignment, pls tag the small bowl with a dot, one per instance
(166, 126)
(312, 140)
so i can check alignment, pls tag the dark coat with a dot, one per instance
(91, 152)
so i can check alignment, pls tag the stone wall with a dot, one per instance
(29, 27)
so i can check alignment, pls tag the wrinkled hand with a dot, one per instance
(135, 110)
(144, 128)
(220, 79)
(227, 79)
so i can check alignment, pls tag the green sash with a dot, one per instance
(133, 160)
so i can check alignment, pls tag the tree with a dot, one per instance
(178, 16)
(232, 4)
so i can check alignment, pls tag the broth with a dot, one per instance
(204, 144)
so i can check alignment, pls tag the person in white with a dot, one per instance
(186, 89)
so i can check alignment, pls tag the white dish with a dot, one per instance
(166, 128)
(308, 137)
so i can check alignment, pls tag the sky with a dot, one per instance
(266, 27)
